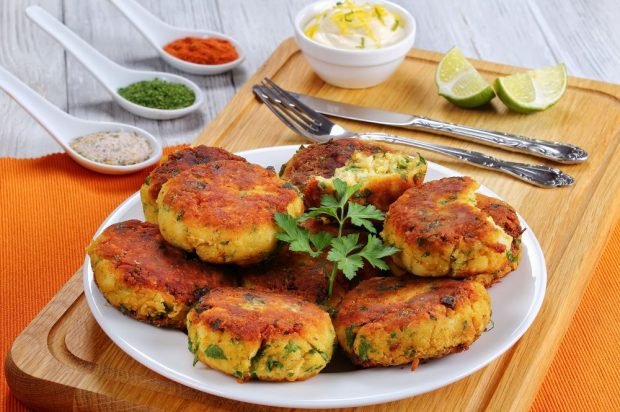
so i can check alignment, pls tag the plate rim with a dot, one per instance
(534, 308)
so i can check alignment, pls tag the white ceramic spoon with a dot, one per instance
(64, 128)
(110, 74)
(160, 34)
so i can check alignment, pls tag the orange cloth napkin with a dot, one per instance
(50, 208)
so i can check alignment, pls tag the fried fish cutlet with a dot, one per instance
(224, 210)
(258, 334)
(394, 321)
(384, 174)
(148, 279)
(171, 166)
(443, 228)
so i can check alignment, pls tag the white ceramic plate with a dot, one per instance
(516, 301)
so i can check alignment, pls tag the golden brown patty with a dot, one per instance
(146, 278)
(224, 210)
(384, 173)
(260, 334)
(393, 321)
(443, 231)
(171, 166)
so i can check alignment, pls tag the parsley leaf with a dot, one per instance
(375, 251)
(340, 254)
(345, 251)
(361, 215)
(293, 234)
(320, 240)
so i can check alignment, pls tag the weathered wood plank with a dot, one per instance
(584, 34)
(528, 34)
(32, 56)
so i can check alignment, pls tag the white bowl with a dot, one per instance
(353, 69)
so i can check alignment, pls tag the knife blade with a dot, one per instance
(556, 151)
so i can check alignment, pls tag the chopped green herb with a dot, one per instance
(215, 352)
(510, 256)
(363, 348)
(410, 353)
(271, 364)
(159, 94)
(123, 309)
(349, 335)
(290, 347)
(395, 25)
(238, 374)
(192, 346)
(320, 352)
(362, 43)
(180, 214)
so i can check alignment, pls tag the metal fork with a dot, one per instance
(317, 128)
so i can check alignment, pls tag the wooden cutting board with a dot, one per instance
(63, 360)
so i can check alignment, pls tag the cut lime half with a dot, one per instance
(533, 90)
(460, 83)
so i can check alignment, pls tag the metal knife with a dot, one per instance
(556, 151)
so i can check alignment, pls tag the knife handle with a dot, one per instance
(559, 152)
(539, 175)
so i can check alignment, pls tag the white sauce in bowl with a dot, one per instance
(353, 26)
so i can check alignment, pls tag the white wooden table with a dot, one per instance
(584, 34)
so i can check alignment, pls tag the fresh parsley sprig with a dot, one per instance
(346, 252)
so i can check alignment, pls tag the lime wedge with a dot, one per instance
(534, 90)
(460, 83)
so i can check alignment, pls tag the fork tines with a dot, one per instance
(296, 115)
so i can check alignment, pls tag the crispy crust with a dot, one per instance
(237, 194)
(138, 272)
(393, 321)
(260, 334)
(224, 210)
(442, 231)
(171, 166)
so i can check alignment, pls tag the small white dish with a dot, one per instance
(110, 74)
(516, 301)
(353, 69)
(65, 128)
(159, 34)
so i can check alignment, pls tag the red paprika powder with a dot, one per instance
(202, 50)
